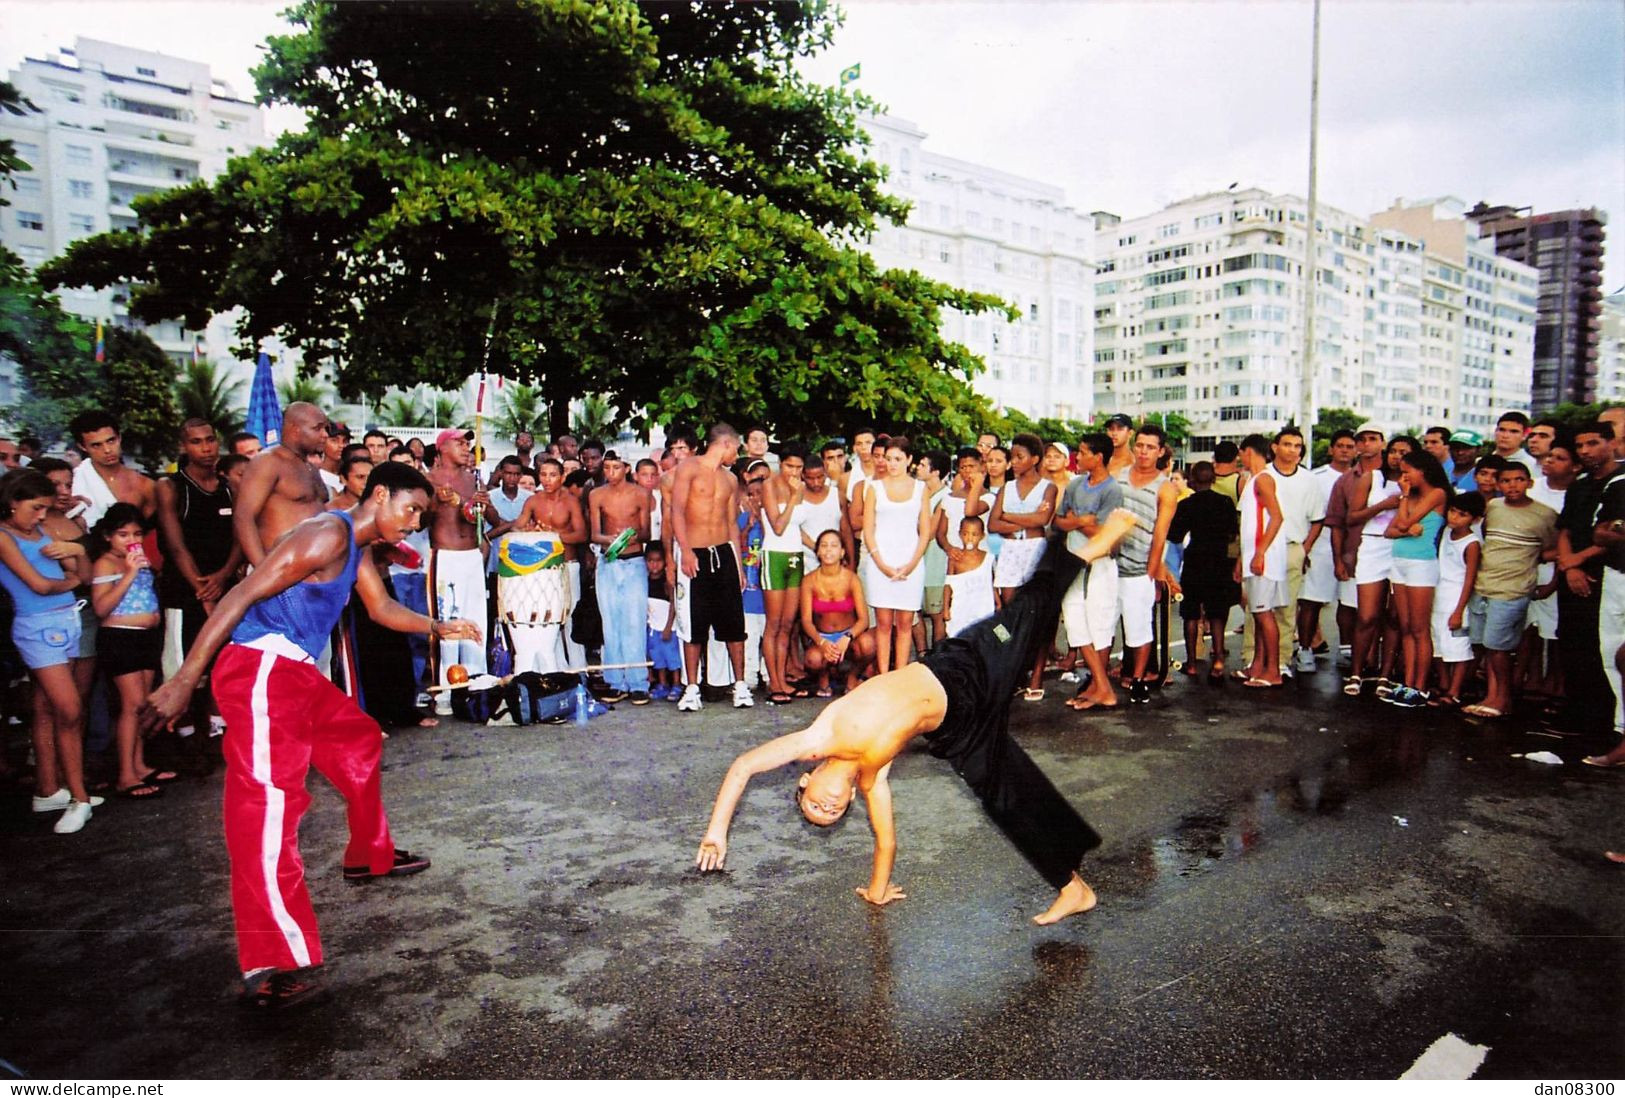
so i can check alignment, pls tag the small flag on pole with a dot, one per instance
(197, 351)
(850, 75)
(101, 344)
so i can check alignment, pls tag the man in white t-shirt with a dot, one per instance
(1510, 430)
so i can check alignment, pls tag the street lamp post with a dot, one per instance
(1306, 395)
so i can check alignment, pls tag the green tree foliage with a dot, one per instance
(1570, 415)
(595, 418)
(640, 200)
(309, 390)
(55, 354)
(203, 392)
(1327, 422)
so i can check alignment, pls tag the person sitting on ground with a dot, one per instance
(835, 617)
(958, 697)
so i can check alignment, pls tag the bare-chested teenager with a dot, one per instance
(456, 565)
(105, 480)
(623, 583)
(711, 580)
(552, 510)
(281, 488)
(958, 697)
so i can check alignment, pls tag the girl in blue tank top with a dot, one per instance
(130, 644)
(40, 574)
(1415, 533)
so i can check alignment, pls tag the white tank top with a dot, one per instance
(787, 542)
(1380, 490)
(813, 519)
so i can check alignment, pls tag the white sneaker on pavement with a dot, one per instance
(1306, 659)
(690, 701)
(73, 819)
(742, 698)
(61, 799)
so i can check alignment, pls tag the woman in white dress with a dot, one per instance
(896, 529)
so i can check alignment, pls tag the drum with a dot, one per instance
(533, 586)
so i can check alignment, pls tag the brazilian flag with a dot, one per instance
(850, 75)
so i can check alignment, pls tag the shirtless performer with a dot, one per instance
(623, 583)
(105, 480)
(456, 565)
(282, 716)
(552, 510)
(711, 582)
(281, 488)
(958, 697)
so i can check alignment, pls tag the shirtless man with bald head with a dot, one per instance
(281, 488)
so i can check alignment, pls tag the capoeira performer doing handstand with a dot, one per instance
(282, 715)
(957, 696)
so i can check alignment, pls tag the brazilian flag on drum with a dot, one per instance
(521, 558)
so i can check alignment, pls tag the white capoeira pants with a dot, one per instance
(1611, 634)
(457, 590)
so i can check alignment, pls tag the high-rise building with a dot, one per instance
(1199, 311)
(990, 231)
(1566, 247)
(115, 123)
(1611, 349)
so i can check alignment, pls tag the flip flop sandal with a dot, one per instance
(140, 791)
(1262, 684)
(1597, 761)
(159, 777)
(1033, 694)
(780, 699)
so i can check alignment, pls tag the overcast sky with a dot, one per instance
(1131, 105)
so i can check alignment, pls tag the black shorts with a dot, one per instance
(1210, 590)
(126, 651)
(715, 601)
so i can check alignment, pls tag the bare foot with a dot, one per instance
(1075, 897)
(428, 722)
(1614, 856)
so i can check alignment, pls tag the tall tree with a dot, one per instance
(643, 200)
(203, 392)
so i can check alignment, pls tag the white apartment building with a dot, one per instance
(993, 232)
(115, 123)
(1478, 317)
(1199, 311)
(1611, 349)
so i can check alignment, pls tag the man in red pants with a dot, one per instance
(282, 715)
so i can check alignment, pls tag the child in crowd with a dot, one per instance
(1487, 475)
(665, 653)
(40, 574)
(967, 594)
(1517, 530)
(130, 644)
(1459, 553)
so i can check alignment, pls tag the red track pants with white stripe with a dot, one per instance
(282, 716)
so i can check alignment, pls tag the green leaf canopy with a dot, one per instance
(644, 201)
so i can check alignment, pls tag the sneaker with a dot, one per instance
(423, 699)
(690, 701)
(612, 695)
(1306, 660)
(442, 706)
(1069, 676)
(278, 990)
(59, 800)
(1139, 693)
(639, 697)
(73, 819)
(405, 865)
(742, 698)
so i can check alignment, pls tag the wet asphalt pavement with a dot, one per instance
(1263, 910)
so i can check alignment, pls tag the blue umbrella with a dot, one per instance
(264, 410)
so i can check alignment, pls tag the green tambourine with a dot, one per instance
(622, 540)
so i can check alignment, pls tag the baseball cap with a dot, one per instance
(452, 433)
(1120, 420)
(1061, 446)
(1369, 428)
(337, 429)
(1464, 437)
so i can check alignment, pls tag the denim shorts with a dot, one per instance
(1498, 624)
(48, 639)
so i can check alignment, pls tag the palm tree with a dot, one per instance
(521, 410)
(204, 393)
(446, 408)
(405, 409)
(310, 390)
(595, 419)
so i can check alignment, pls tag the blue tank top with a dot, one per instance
(306, 612)
(1423, 546)
(24, 597)
(140, 598)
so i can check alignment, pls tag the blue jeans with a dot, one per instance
(412, 592)
(623, 602)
